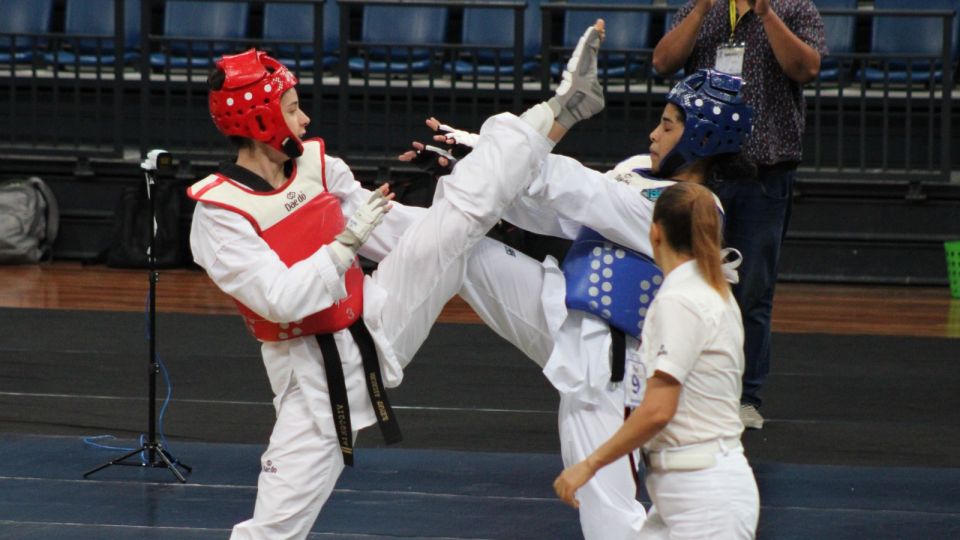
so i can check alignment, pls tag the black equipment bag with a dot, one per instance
(130, 238)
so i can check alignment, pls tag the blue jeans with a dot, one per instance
(757, 214)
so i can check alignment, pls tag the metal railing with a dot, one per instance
(390, 99)
(856, 128)
(869, 129)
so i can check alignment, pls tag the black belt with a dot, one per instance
(618, 354)
(618, 362)
(634, 468)
(337, 388)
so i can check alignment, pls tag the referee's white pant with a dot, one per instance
(717, 502)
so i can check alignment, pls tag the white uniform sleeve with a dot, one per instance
(242, 265)
(343, 185)
(587, 197)
(673, 336)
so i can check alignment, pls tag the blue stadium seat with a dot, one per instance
(492, 29)
(284, 24)
(840, 37)
(410, 31)
(195, 31)
(95, 18)
(19, 19)
(920, 36)
(627, 32)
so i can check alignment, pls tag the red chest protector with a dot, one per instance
(295, 221)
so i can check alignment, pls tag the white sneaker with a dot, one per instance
(750, 417)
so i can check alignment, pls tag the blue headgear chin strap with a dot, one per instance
(717, 121)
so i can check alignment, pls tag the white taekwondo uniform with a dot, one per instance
(524, 301)
(422, 255)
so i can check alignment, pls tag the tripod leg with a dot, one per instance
(114, 461)
(173, 468)
(176, 462)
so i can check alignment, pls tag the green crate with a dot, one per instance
(953, 266)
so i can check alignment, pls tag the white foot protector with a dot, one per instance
(580, 95)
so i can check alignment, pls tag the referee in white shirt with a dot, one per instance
(685, 385)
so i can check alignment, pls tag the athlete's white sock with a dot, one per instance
(540, 117)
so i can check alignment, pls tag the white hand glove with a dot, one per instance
(459, 136)
(358, 229)
(365, 219)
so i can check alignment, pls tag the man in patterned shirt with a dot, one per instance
(776, 46)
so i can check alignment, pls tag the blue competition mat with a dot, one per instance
(436, 494)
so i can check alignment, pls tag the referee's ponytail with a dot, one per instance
(688, 215)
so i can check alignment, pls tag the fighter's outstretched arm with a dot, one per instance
(619, 210)
(565, 195)
(578, 97)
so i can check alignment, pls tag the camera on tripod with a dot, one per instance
(157, 159)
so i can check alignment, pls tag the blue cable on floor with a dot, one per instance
(166, 401)
(91, 441)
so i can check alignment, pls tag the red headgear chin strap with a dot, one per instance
(248, 103)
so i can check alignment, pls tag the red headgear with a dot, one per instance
(248, 103)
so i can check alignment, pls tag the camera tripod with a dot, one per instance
(155, 455)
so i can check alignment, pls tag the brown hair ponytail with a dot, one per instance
(691, 224)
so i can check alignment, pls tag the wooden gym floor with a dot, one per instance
(798, 308)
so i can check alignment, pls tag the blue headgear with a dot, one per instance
(717, 122)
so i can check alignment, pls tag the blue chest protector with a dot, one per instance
(610, 281)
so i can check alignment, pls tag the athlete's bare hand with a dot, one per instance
(434, 125)
(418, 147)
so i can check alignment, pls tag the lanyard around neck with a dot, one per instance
(733, 17)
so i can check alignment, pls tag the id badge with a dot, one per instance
(635, 380)
(730, 59)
